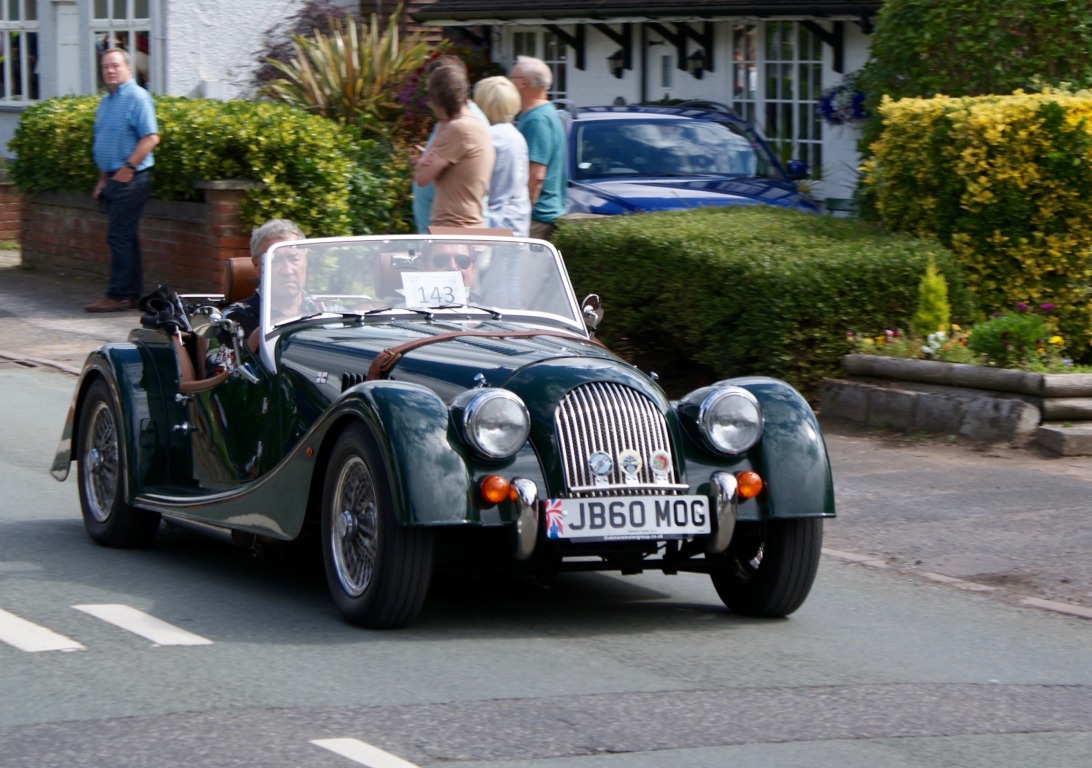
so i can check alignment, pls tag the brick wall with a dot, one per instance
(11, 211)
(184, 245)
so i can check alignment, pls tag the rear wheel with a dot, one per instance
(100, 471)
(768, 569)
(377, 570)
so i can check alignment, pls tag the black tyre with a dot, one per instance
(378, 572)
(769, 567)
(100, 471)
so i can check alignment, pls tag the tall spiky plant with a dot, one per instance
(350, 74)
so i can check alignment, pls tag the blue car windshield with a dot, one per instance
(666, 148)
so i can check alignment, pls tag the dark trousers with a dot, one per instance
(123, 204)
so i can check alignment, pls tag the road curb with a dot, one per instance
(1068, 609)
(39, 362)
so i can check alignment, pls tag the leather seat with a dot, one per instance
(240, 279)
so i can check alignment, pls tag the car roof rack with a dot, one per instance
(566, 105)
(712, 106)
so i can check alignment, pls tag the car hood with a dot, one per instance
(338, 357)
(635, 196)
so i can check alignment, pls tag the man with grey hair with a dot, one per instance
(541, 126)
(289, 278)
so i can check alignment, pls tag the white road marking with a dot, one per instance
(28, 636)
(140, 623)
(363, 753)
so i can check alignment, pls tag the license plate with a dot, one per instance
(628, 517)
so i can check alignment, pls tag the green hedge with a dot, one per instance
(321, 175)
(701, 295)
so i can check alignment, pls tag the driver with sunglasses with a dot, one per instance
(453, 256)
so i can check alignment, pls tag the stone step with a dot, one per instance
(1066, 438)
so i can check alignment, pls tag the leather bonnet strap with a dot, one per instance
(387, 359)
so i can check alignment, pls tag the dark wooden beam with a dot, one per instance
(835, 38)
(623, 39)
(574, 41)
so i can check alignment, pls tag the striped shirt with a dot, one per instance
(124, 117)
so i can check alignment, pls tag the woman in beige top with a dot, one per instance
(459, 161)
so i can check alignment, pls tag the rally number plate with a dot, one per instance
(630, 517)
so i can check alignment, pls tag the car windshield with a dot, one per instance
(415, 275)
(666, 147)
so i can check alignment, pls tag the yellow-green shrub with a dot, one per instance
(1006, 183)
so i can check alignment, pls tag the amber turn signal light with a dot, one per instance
(750, 484)
(494, 489)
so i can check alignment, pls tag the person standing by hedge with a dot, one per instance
(541, 127)
(423, 195)
(459, 161)
(125, 134)
(509, 205)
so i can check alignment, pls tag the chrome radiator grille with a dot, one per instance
(615, 420)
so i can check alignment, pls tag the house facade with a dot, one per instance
(197, 48)
(769, 61)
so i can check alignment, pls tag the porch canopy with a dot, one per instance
(492, 12)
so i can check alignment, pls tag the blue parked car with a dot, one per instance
(633, 159)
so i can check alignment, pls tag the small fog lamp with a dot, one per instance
(494, 489)
(750, 484)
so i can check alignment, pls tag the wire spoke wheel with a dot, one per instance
(100, 462)
(353, 534)
(377, 570)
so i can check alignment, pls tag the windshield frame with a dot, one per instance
(465, 311)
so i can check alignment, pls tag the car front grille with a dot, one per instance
(616, 420)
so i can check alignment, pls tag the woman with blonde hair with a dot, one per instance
(509, 204)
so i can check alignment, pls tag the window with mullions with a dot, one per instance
(776, 81)
(19, 51)
(124, 24)
(549, 48)
(794, 67)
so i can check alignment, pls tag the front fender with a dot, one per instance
(136, 390)
(791, 457)
(430, 477)
(792, 452)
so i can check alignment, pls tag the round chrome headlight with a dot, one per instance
(730, 418)
(496, 423)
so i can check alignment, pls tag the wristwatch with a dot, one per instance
(130, 166)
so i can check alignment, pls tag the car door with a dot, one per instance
(232, 437)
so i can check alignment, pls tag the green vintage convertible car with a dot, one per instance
(416, 400)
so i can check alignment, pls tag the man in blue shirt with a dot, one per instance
(541, 126)
(125, 134)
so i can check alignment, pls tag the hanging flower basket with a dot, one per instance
(844, 103)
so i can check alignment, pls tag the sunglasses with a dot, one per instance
(442, 260)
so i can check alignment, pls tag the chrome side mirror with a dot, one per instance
(592, 310)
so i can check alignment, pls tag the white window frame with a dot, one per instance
(779, 65)
(20, 31)
(124, 33)
(547, 46)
